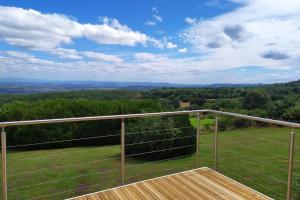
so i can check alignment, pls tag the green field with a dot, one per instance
(203, 122)
(256, 157)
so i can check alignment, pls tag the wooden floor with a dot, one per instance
(202, 183)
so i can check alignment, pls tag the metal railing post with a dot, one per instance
(198, 139)
(290, 167)
(216, 143)
(123, 151)
(3, 154)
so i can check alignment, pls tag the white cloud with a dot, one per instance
(244, 36)
(182, 50)
(144, 56)
(66, 53)
(38, 31)
(157, 18)
(19, 54)
(154, 9)
(190, 20)
(102, 57)
(171, 45)
(150, 23)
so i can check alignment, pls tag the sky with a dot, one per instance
(192, 41)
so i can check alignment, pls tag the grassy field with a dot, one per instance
(256, 157)
(203, 122)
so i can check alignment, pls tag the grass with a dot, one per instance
(203, 122)
(256, 157)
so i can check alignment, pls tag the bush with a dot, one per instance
(149, 129)
(61, 108)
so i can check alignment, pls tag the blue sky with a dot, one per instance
(223, 41)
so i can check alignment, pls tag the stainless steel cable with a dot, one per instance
(58, 180)
(168, 139)
(137, 154)
(62, 166)
(62, 141)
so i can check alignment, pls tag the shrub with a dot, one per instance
(148, 135)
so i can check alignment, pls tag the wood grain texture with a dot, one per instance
(198, 184)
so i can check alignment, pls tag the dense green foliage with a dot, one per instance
(160, 137)
(278, 101)
(60, 108)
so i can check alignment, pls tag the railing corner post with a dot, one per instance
(123, 151)
(216, 143)
(3, 155)
(290, 165)
(198, 139)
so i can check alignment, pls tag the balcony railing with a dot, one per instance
(217, 141)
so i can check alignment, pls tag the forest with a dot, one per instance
(277, 101)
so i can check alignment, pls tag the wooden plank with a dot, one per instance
(186, 190)
(93, 197)
(198, 184)
(199, 190)
(165, 190)
(106, 195)
(118, 194)
(80, 198)
(177, 190)
(142, 193)
(231, 185)
(152, 190)
(227, 194)
(130, 194)
(241, 186)
(208, 191)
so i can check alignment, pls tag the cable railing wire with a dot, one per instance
(159, 130)
(158, 161)
(260, 173)
(62, 166)
(246, 179)
(64, 192)
(63, 141)
(255, 161)
(145, 174)
(59, 180)
(152, 141)
(138, 154)
(54, 154)
(243, 145)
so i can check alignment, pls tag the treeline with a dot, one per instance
(103, 132)
(62, 108)
(278, 101)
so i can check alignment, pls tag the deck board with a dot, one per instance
(198, 184)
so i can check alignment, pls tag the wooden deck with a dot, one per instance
(202, 183)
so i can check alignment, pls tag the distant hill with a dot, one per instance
(28, 86)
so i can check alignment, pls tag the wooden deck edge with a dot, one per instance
(253, 190)
(207, 168)
(137, 182)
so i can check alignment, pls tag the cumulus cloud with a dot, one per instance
(35, 30)
(154, 10)
(150, 23)
(190, 20)
(182, 50)
(244, 36)
(102, 57)
(275, 55)
(66, 53)
(157, 18)
(171, 45)
(235, 32)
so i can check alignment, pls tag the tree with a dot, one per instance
(256, 99)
